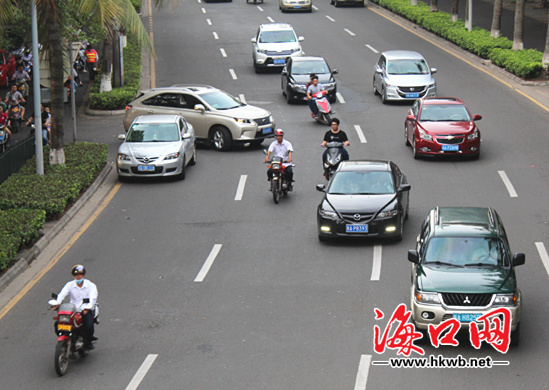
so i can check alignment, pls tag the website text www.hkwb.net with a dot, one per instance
(441, 362)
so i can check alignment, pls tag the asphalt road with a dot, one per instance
(277, 309)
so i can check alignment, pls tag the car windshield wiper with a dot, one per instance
(443, 263)
(480, 265)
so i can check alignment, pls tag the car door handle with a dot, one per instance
(151, 111)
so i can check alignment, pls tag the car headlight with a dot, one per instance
(172, 156)
(473, 135)
(123, 157)
(329, 85)
(242, 120)
(506, 300)
(426, 297)
(295, 50)
(387, 214)
(431, 85)
(297, 86)
(425, 136)
(328, 213)
(263, 51)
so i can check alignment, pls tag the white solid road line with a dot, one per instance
(350, 32)
(140, 374)
(215, 35)
(371, 48)
(223, 52)
(362, 374)
(203, 10)
(376, 264)
(270, 19)
(330, 18)
(209, 22)
(543, 254)
(360, 134)
(233, 74)
(340, 98)
(208, 263)
(242, 98)
(240, 189)
(508, 184)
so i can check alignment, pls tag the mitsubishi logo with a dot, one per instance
(356, 217)
(466, 299)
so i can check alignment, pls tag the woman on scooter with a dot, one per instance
(335, 134)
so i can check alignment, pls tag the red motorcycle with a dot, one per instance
(279, 181)
(324, 108)
(70, 340)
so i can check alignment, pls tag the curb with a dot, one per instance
(28, 256)
(91, 112)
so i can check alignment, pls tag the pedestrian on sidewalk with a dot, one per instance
(91, 61)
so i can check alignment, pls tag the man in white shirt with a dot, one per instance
(284, 149)
(78, 290)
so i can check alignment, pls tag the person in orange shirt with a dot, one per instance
(91, 61)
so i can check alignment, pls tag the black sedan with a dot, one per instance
(364, 199)
(296, 75)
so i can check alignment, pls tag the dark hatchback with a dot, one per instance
(296, 74)
(364, 199)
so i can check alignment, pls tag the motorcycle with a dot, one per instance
(70, 339)
(15, 117)
(22, 87)
(279, 182)
(4, 139)
(333, 158)
(324, 108)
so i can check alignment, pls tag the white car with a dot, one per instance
(274, 43)
(156, 145)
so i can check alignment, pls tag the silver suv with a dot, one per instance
(274, 43)
(216, 116)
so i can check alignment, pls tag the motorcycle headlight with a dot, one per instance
(506, 300)
(275, 166)
(473, 135)
(172, 156)
(64, 318)
(425, 136)
(425, 297)
(387, 214)
(123, 157)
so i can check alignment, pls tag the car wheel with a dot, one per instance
(289, 98)
(406, 140)
(323, 238)
(407, 209)
(181, 176)
(257, 68)
(515, 336)
(221, 139)
(336, 3)
(383, 96)
(425, 339)
(414, 150)
(374, 87)
(400, 234)
(193, 159)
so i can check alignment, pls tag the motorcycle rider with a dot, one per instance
(313, 88)
(20, 74)
(80, 289)
(14, 97)
(281, 148)
(4, 122)
(335, 134)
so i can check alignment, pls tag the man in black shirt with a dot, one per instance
(335, 134)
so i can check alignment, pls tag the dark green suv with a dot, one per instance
(463, 268)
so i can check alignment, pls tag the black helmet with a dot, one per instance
(78, 269)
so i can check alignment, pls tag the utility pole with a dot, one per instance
(36, 86)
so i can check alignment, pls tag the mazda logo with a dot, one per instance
(466, 299)
(356, 217)
(146, 159)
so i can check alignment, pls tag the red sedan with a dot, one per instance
(442, 126)
(7, 66)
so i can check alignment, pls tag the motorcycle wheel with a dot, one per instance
(274, 189)
(61, 357)
(328, 118)
(15, 126)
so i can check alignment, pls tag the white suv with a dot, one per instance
(274, 43)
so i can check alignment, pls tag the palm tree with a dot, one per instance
(518, 44)
(545, 60)
(496, 19)
(434, 6)
(454, 12)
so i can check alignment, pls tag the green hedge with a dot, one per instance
(119, 97)
(523, 63)
(18, 228)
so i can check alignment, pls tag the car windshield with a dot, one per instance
(465, 251)
(153, 132)
(407, 67)
(277, 36)
(308, 67)
(221, 100)
(444, 113)
(362, 183)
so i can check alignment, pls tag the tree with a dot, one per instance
(434, 6)
(545, 60)
(518, 43)
(496, 19)
(454, 12)
(543, 4)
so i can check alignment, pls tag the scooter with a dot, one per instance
(278, 181)
(15, 118)
(4, 139)
(22, 87)
(333, 158)
(70, 338)
(324, 108)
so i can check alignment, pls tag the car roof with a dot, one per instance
(364, 165)
(196, 88)
(276, 26)
(441, 100)
(307, 58)
(470, 221)
(402, 55)
(157, 118)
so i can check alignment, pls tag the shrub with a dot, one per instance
(524, 63)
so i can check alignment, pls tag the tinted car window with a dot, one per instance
(220, 100)
(466, 251)
(188, 101)
(164, 100)
(444, 112)
(308, 67)
(362, 183)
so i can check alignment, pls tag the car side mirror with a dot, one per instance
(404, 187)
(410, 118)
(200, 107)
(379, 71)
(254, 40)
(186, 136)
(413, 257)
(321, 187)
(335, 71)
(121, 137)
(433, 70)
(284, 72)
(518, 259)
(300, 39)
(477, 117)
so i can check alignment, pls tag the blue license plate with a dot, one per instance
(450, 148)
(145, 168)
(466, 317)
(412, 95)
(281, 61)
(267, 130)
(356, 228)
(2, 137)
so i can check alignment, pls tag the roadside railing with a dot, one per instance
(15, 157)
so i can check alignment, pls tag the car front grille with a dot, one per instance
(262, 121)
(350, 217)
(450, 140)
(279, 53)
(146, 160)
(411, 89)
(459, 299)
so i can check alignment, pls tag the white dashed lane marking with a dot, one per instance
(270, 19)
(360, 134)
(330, 18)
(340, 98)
(372, 49)
(508, 184)
(215, 35)
(543, 254)
(350, 32)
(203, 10)
(362, 374)
(240, 189)
(376, 264)
(208, 264)
(233, 74)
(223, 52)
(140, 374)
(209, 22)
